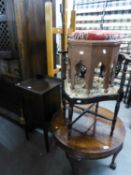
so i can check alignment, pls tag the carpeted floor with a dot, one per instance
(21, 157)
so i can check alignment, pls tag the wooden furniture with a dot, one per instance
(22, 43)
(73, 97)
(128, 93)
(90, 54)
(94, 143)
(127, 85)
(41, 99)
(30, 26)
(98, 140)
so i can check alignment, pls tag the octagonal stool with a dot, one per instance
(90, 53)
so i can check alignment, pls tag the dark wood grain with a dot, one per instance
(36, 35)
(21, 25)
(30, 21)
(41, 99)
(96, 144)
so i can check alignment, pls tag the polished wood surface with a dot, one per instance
(94, 144)
(22, 37)
(90, 54)
(39, 86)
(41, 99)
(30, 22)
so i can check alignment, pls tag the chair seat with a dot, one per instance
(98, 90)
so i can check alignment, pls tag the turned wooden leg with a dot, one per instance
(45, 130)
(76, 165)
(113, 163)
(95, 119)
(73, 72)
(117, 107)
(28, 128)
(70, 118)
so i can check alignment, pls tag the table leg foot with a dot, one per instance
(76, 165)
(113, 163)
(113, 166)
